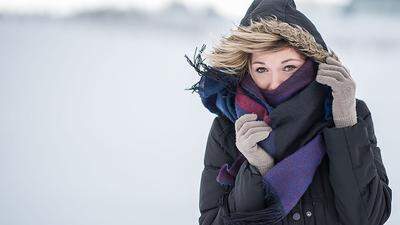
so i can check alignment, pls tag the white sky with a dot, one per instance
(226, 7)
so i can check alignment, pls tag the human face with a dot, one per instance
(270, 69)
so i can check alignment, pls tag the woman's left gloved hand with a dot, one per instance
(337, 76)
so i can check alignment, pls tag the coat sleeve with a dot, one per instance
(356, 172)
(246, 195)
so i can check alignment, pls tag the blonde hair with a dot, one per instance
(233, 54)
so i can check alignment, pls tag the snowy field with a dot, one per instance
(96, 127)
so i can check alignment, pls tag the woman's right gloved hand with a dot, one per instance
(249, 131)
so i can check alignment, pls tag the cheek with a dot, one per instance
(262, 81)
(287, 75)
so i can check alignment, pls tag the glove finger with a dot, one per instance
(250, 124)
(244, 118)
(256, 137)
(333, 61)
(331, 73)
(347, 69)
(256, 129)
(340, 69)
(332, 82)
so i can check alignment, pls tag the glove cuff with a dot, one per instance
(349, 119)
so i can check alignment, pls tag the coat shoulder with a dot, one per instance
(362, 108)
(223, 131)
(223, 125)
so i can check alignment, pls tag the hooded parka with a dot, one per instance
(350, 186)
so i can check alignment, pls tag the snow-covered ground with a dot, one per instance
(96, 127)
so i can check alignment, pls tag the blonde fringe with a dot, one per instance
(233, 52)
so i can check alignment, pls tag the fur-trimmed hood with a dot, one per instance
(288, 22)
(283, 19)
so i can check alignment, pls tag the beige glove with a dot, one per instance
(337, 76)
(248, 133)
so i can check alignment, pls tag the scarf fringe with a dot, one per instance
(227, 175)
(206, 71)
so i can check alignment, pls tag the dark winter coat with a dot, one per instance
(350, 186)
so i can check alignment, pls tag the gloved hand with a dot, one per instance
(337, 76)
(248, 133)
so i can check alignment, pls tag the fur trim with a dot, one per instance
(297, 37)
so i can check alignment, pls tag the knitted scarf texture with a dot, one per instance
(297, 111)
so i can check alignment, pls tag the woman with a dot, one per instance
(290, 144)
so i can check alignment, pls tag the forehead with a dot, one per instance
(282, 54)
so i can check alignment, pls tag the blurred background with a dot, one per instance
(96, 126)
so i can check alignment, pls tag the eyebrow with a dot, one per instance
(257, 62)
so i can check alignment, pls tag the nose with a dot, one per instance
(276, 80)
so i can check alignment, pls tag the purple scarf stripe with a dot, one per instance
(291, 177)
